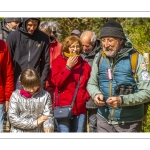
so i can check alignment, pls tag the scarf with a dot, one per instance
(69, 55)
(27, 94)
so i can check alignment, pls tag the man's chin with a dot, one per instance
(110, 54)
(30, 32)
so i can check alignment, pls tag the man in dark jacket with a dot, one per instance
(29, 48)
(91, 46)
(8, 25)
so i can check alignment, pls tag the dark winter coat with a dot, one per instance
(29, 50)
(4, 32)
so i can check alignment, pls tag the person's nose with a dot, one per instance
(32, 28)
(106, 44)
(31, 90)
(84, 47)
(75, 48)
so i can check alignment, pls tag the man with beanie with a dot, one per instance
(8, 25)
(90, 47)
(119, 90)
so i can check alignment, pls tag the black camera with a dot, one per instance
(124, 89)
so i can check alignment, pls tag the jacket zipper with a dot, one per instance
(29, 55)
(110, 91)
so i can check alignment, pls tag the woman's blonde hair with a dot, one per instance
(69, 41)
(30, 78)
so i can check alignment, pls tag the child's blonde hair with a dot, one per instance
(30, 78)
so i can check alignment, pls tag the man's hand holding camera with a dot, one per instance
(113, 102)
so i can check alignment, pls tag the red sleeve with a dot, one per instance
(7, 73)
(59, 72)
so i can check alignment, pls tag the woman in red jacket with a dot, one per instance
(6, 80)
(66, 71)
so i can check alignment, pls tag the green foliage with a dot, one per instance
(146, 126)
(137, 29)
(66, 25)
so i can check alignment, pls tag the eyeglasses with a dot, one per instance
(74, 46)
(54, 32)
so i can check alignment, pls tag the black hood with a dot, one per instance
(22, 25)
(3, 27)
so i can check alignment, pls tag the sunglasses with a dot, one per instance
(54, 32)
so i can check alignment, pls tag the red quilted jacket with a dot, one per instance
(66, 82)
(6, 73)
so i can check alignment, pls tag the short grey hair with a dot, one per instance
(93, 38)
(44, 25)
(54, 24)
(47, 25)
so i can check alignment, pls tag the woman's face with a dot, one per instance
(74, 48)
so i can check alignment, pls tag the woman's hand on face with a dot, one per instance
(72, 61)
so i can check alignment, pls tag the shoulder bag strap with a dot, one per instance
(77, 88)
(56, 97)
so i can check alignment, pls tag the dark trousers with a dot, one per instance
(103, 126)
(92, 120)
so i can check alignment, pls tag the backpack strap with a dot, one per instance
(99, 59)
(102, 53)
(134, 58)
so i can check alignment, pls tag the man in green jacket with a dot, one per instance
(118, 90)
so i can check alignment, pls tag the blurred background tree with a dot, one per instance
(137, 29)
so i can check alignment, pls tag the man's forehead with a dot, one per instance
(32, 22)
(109, 37)
(15, 22)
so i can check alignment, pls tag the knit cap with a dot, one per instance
(12, 19)
(112, 29)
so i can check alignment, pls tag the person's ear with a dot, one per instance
(121, 41)
(20, 83)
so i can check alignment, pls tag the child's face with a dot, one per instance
(31, 90)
